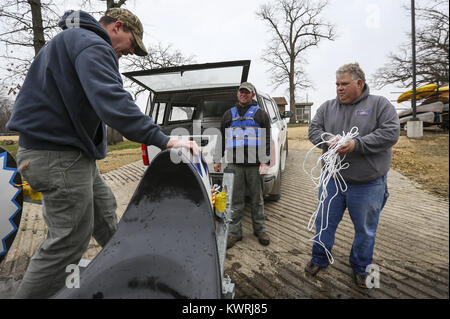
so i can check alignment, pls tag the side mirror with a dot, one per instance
(287, 114)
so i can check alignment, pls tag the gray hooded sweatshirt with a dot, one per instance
(379, 130)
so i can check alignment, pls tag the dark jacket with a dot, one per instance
(72, 89)
(260, 118)
(379, 130)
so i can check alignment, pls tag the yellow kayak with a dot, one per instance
(421, 92)
(440, 94)
(443, 88)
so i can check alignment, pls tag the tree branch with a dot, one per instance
(300, 30)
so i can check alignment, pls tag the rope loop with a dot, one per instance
(333, 163)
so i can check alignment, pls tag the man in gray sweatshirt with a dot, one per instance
(369, 158)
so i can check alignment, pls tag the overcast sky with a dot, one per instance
(214, 30)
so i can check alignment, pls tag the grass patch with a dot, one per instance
(123, 146)
(12, 149)
(297, 124)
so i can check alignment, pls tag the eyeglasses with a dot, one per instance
(127, 29)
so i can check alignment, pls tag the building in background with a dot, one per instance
(302, 113)
(281, 102)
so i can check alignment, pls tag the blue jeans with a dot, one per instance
(364, 202)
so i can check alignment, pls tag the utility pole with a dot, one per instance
(414, 126)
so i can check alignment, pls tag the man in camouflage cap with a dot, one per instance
(131, 22)
(60, 115)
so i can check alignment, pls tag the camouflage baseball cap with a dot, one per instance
(133, 23)
(248, 86)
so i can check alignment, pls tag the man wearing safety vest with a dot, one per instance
(245, 130)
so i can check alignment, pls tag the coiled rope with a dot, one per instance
(332, 165)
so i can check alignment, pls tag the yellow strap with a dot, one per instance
(28, 191)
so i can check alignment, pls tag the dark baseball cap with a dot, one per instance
(133, 23)
(248, 86)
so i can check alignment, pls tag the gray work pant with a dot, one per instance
(77, 203)
(247, 180)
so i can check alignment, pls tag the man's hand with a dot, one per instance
(263, 168)
(344, 149)
(332, 141)
(190, 145)
(347, 148)
(217, 167)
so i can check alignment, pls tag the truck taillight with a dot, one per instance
(145, 155)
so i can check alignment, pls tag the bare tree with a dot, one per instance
(296, 26)
(6, 106)
(22, 30)
(114, 4)
(432, 51)
(112, 135)
(27, 24)
(159, 56)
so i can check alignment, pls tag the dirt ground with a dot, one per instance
(116, 159)
(425, 160)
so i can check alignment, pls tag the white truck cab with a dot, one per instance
(189, 101)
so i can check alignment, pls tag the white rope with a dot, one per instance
(332, 165)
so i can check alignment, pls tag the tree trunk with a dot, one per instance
(38, 29)
(292, 91)
(111, 4)
(112, 136)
